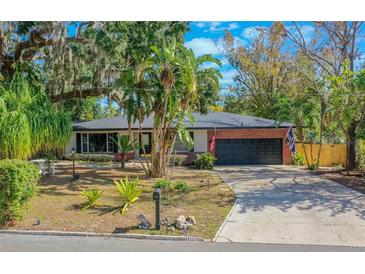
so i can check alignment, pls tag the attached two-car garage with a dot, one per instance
(248, 151)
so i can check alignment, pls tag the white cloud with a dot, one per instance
(228, 76)
(210, 65)
(203, 45)
(214, 26)
(250, 33)
(224, 61)
(306, 30)
(200, 24)
(232, 26)
(218, 26)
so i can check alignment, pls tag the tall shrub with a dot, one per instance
(18, 183)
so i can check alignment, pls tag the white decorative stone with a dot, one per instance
(191, 220)
(181, 223)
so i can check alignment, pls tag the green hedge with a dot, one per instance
(18, 183)
(90, 157)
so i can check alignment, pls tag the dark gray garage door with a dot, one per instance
(248, 151)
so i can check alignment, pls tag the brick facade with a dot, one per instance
(264, 133)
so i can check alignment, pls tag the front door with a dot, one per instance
(145, 140)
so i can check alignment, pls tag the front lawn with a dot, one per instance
(58, 203)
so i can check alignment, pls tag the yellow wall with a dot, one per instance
(331, 155)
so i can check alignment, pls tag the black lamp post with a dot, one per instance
(73, 164)
(157, 197)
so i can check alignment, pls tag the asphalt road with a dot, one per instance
(12, 242)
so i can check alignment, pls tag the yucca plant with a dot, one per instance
(129, 192)
(91, 196)
(124, 145)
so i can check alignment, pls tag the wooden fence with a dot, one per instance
(331, 154)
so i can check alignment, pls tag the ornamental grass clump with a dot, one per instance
(29, 122)
(129, 192)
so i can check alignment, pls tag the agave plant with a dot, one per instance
(129, 192)
(91, 196)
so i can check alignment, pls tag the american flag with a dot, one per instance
(291, 140)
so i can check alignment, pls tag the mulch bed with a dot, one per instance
(352, 179)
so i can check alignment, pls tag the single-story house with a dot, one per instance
(239, 139)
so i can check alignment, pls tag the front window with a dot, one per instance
(110, 145)
(97, 142)
(84, 142)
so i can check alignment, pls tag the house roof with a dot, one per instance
(219, 120)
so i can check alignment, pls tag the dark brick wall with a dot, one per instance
(266, 133)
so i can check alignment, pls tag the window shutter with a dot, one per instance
(78, 142)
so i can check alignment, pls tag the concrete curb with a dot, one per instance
(108, 235)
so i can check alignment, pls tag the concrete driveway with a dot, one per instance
(286, 205)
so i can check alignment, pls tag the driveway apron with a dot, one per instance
(287, 205)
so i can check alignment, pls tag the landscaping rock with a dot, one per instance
(143, 222)
(191, 220)
(181, 223)
(165, 222)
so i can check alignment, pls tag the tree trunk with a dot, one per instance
(351, 146)
(301, 139)
(155, 163)
(323, 110)
(122, 160)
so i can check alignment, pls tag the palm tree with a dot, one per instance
(183, 83)
(124, 146)
(164, 71)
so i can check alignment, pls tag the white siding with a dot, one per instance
(200, 141)
(71, 144)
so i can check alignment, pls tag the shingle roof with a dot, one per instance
(219, 120)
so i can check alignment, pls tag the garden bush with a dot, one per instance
(204, 161)
(165, 186)
(90, 157)
(18, 183)
(298, 159)
(182, 186)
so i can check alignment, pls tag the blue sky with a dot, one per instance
(206, 38)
